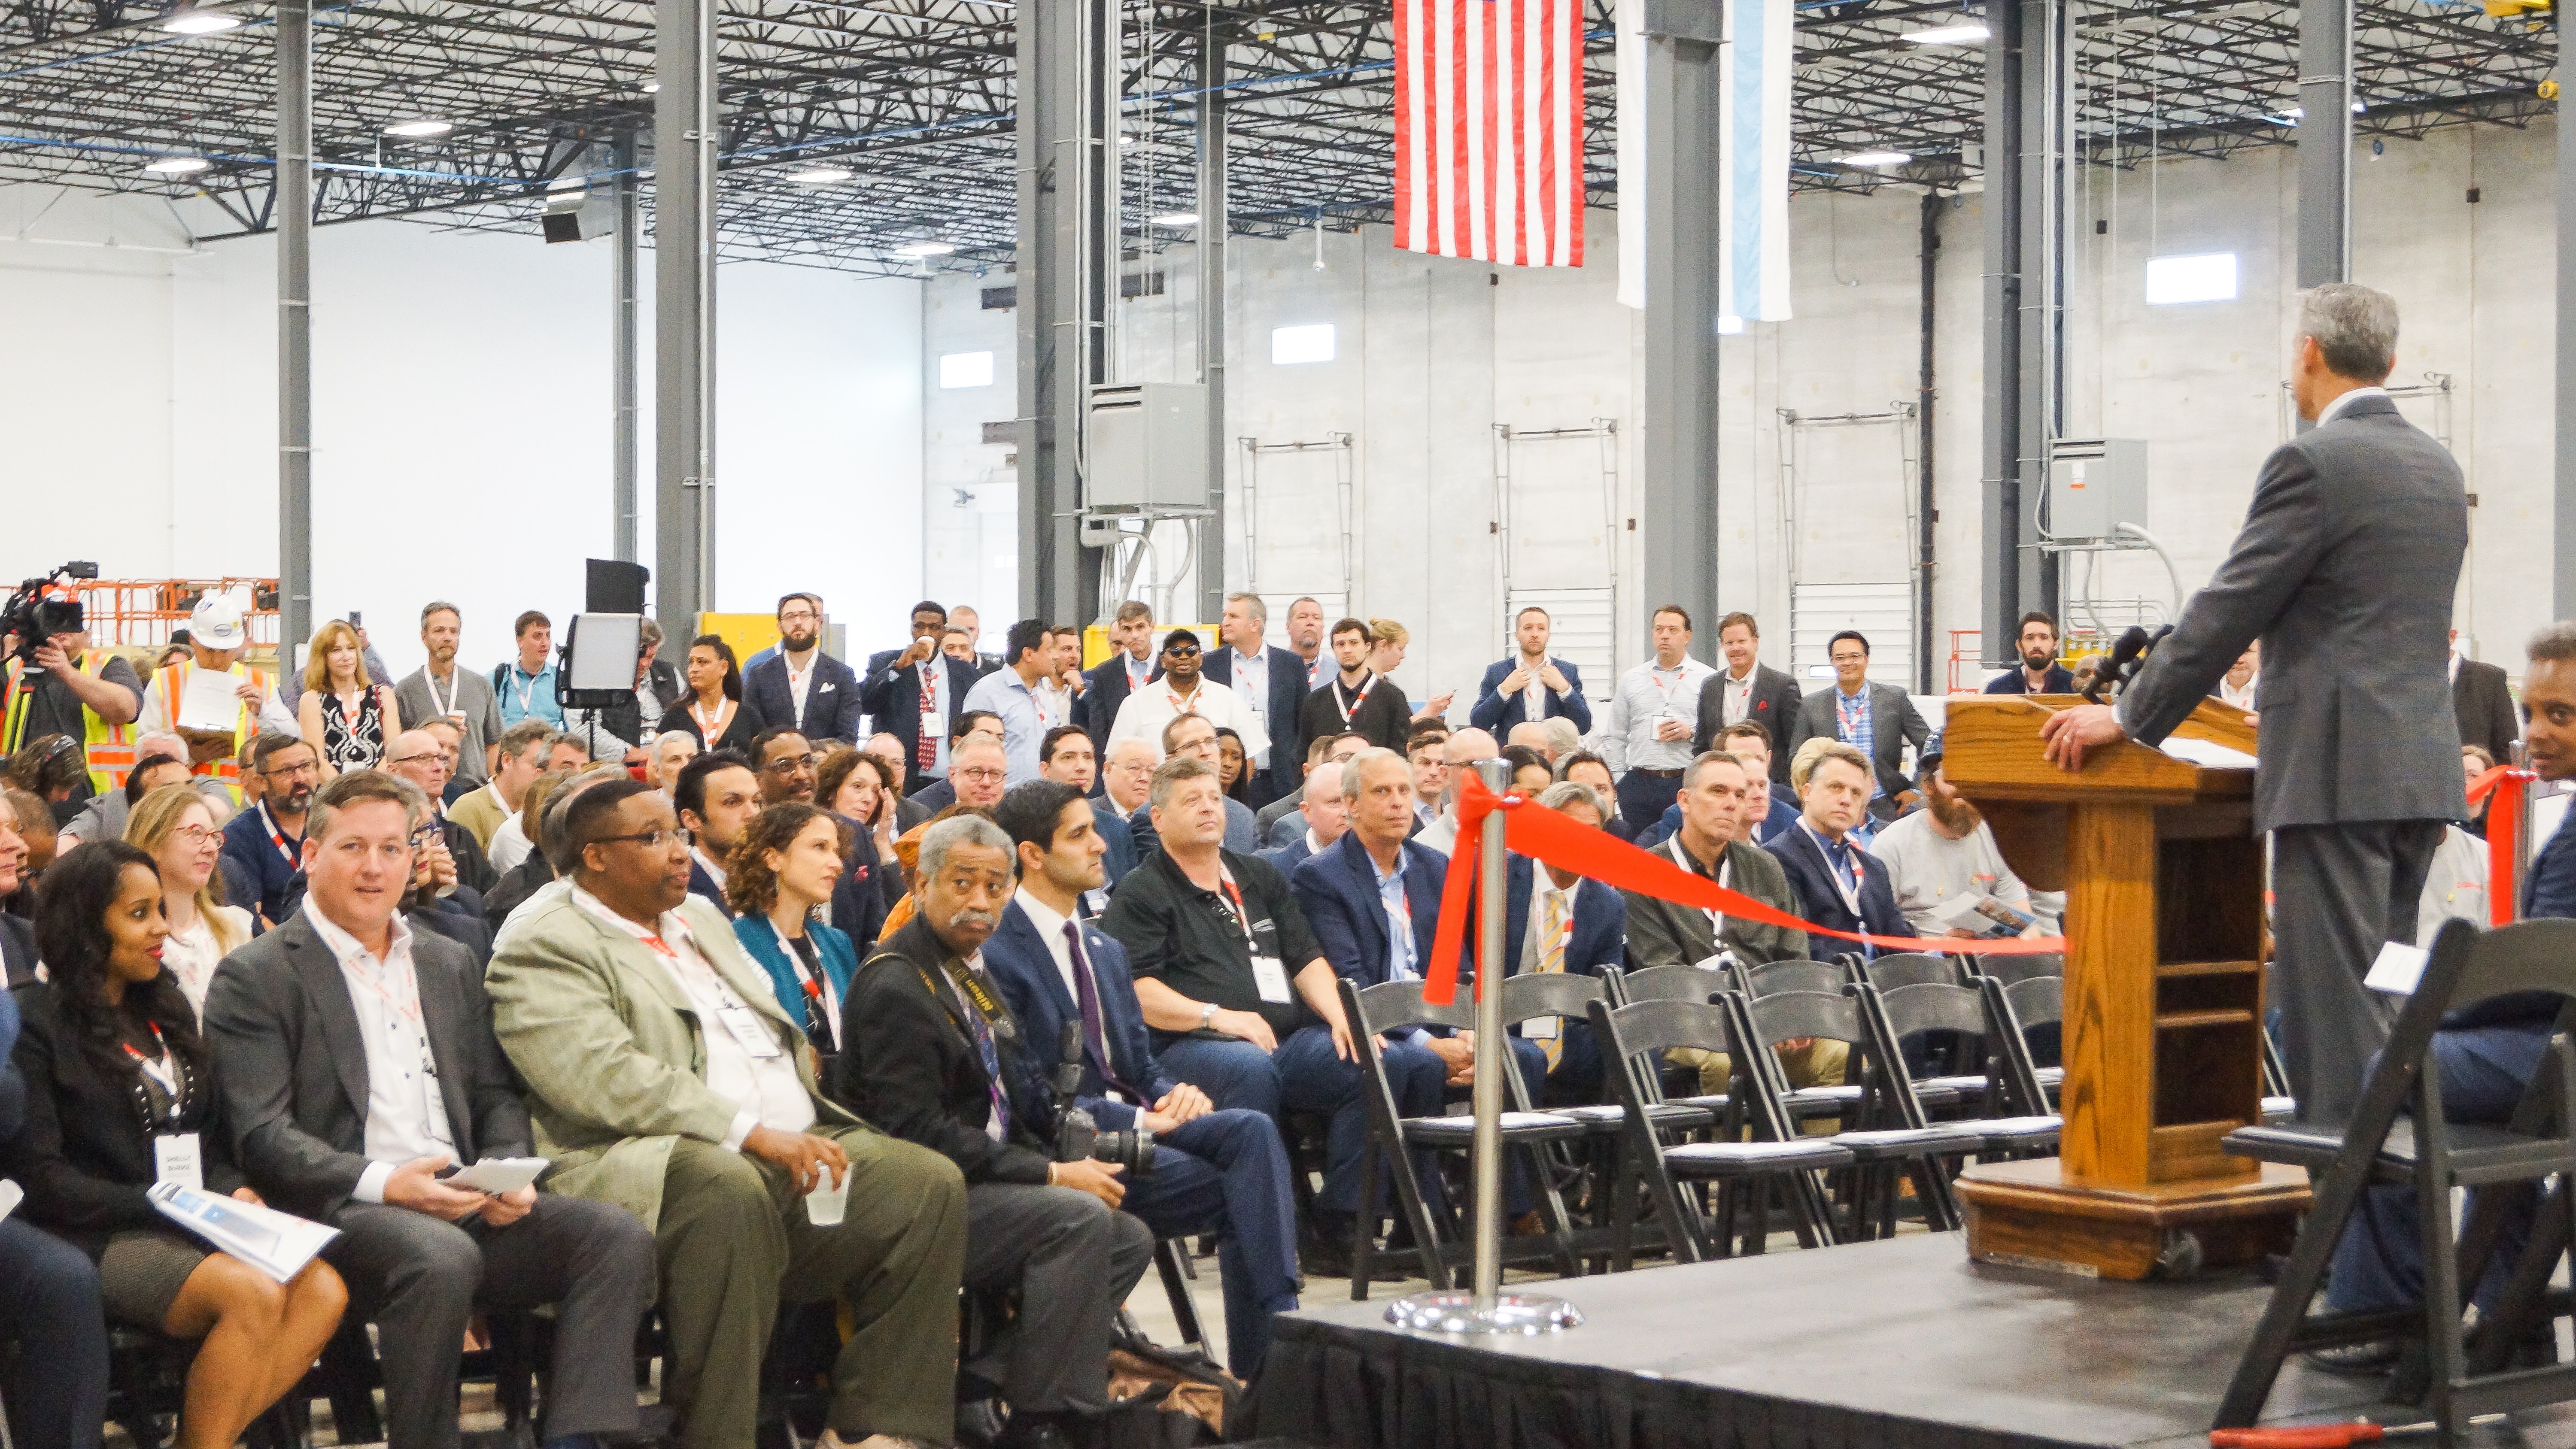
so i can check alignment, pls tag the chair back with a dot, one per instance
(1912, 968)
(2017, 1009)
(1788, 1015)
(1640, 1027)
(1773, 977)
(2012, 969)
(1551, 993)
(1394, 1005)
(2039, 1001)
(1932, 1006)
(1671, 983)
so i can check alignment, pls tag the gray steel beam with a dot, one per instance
(2562, 573)
(686, 142)
(1678, 486)
(294, 210)
(1068, 262)
(2325, 142)
(2047, 112)
(622, 391)
(1212, 254)
(2023, 306)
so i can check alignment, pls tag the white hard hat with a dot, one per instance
(217, 621)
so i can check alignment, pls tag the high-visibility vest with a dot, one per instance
(174, 687)
(109, 749)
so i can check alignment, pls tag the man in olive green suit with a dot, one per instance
(710, 1136)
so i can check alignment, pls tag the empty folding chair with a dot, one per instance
(2024, 1007)
(1912, 968)
(1910, 1011)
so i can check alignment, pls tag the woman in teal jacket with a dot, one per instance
(780, 877)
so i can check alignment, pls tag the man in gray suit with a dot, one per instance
(2345, 570)
(1877, 719)
(357, 1062)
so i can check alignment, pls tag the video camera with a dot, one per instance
(43, 607)
(1077, 1137)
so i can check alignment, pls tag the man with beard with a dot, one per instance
(1945, 853)
(786, 767)
(801, 686)
(1184, 691)
(2040, 673)
(263, 858)
(1306, 641)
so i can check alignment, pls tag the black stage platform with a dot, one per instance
(1885, 1345)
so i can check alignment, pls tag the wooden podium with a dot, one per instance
(2164, 998)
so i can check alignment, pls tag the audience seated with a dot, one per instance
(1439, 832)
(938, 795)
(17, 933)
(1276, 819)
(263, 855)
(53, 1320)
(1839, 885)
(418, 756)
(1193, 737)
(175, 826)
(1944, 855)
(103, 817)
(780, 875)
(861, 789)
(1556, 920)
(718, 794)
(518, 760)
(1322, 815)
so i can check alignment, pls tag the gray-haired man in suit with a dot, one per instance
(2345, 570)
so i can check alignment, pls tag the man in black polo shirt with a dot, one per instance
(1239, 996)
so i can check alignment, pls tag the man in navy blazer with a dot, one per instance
(1321, 818)
(1839, 885)
(1281, 697)
(1131, 665)
(830, 709)
(1503, 699)
(1595, 934)
(891, 694)
(1222, 1171)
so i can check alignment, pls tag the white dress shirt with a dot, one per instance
(1736, 698)
(406, 1113)
(1051, 924)
(510, 845)
(766, 1089)
(799, 683)
(2327, 413)
(1144, 713)
(1252, 682)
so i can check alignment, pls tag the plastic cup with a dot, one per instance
(825, 1205)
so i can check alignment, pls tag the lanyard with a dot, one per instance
(815, 1003)
(441, 709)
(1681, 857)
(1242, 913)
(1849, 712)
(277, 837)
(409, 1010)
(356, 708)
(1356, 700)
(162, 1069)
(1140, 672)
(527, 691)
(1655, 677)
(1180, 706)
(710, 728)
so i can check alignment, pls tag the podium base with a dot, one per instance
(2024, 1214)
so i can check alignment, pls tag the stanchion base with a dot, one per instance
(1454, 1312)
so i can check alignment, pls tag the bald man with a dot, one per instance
(1462, 749)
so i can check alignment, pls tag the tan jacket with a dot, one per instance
(477, 811)
(613, 1053)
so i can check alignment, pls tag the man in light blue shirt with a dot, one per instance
(526, 684)
(1012, 692)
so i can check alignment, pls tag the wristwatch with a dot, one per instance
(1207, 1015)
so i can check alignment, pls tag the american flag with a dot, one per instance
(1489, 130)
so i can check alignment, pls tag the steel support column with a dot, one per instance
(1677, 504)
(294, 213)
(2026, 136)
(2562, 573)
(1212, 254)
(1068, 268)
(2325, 142)
(686, 141)
(622, 372)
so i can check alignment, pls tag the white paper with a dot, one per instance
(497, 1175)
(208, 703)
(2204, 753)
(1539, 1028)
(2398, 968)
(277, 1244)
(10, 1193)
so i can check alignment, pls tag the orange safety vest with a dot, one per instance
(109, 749)
(174, 687)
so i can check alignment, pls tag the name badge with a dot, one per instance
(748, 1029)
(1095, 901)
(1272, 979)
(177, 1159)
(1540, 1028)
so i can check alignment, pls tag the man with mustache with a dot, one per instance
(1946, 853)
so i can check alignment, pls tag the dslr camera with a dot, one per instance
(1077, 1136)
(43, 607)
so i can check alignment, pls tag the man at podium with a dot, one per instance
(2345, 571)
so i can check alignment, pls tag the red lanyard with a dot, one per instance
(1357, 700)
(410, 1011)
(1181, 707)
(1242, 913)
(277, 837)
(710, 729)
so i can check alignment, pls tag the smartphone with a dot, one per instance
(356, 622)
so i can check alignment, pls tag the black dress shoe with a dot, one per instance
(2355, 1359)
(1045, 1431)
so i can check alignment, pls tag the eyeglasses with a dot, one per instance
(790, 764)
(1180, 651)
(986, 775)
(650, 839)
(289, 772)
(193, 836)
(798, 616)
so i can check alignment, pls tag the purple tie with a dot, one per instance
(1086, 999)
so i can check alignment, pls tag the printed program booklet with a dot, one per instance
(278, 1244)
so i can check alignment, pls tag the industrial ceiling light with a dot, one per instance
(1877, 158)
(178, 166)
(1965, 33)
(819, 175)
(1175, 218)
(189, 20)
(925, 249)
(420, 127)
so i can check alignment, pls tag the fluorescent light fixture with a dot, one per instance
(819, 175)
(178, 166)
(1729, 326)
(966, 369)
(2208, 277)
(1877, 158)
(1175, 218)
(1290, 346)
(1967, 32)
(421, 127)
(201, 22)
(925, 249)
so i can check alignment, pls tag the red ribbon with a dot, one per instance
(1557, 840)
(2504, 844)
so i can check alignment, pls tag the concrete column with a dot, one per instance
(1678, 450)
(2023, 310)
(294, 211)
(1212, 248)
(2562, 572)
(686, 141)
(1067, 282)
(622, 388)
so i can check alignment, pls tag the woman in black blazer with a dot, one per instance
(712, 707)
(113, 1061)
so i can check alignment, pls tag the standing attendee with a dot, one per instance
(344, 714)
(1306, 641)
(1063, 689)
(2482, 702)
(1879, 720)
(1388, 641)
(263, 855)
(1532, 685)
(1945, 853)
(414, 755)
(714, 709)
(1769, 807)
(2039, 672)
(1323, 815)
(624, 731)
(1128, 669)
(800, 687)
(51, 1314)
(780, 877)
(2236, 686)
(1269, 682)
(1183, 690)
(68, 688)
(672, 751)
(218, 632)
(1746, 691)
(716, 799)
(116, 1072)
(964, 618)
(915, 694)
(177, 829)
(1193, 736)
(1012, 694)
(290, 683)
(1556, 920)
(440, 690)
(526, 684)
(1357, 699)
(519, 757)
(1839, 885)
(2345, 569)
(710, 1137)
(1645, 735)
(358, 1063)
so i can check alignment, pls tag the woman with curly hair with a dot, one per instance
(779, 878)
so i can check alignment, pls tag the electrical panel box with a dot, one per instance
(2095, 485)
(1147, 447)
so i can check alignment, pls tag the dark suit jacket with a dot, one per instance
(1600, 921)
(1338, 892)
(892, 698)
(859, 903)
(17, 950)
(908, 1065)
(831, 698)
(1774, 706)
(466, 929)
(82, 1156)
(2345, 569)
(1283, 712)
(513, 889)
(473, 868)
(2484, 705)
(707, 886)
(936, 796)
(1286, 858)
(294, 1068)
(1097, 709)
(1024, 966)
(1491, 708)
(1811, 877)
(2016, 681)
(1894, 724)
(1113, 828)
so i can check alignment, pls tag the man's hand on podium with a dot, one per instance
(2069, 732)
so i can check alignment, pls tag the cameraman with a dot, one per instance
(64, 687)
(930, 1053)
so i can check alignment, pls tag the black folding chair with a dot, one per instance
(1823, 1100)
(1636, 1034)
(1912, 968)
(1673, 983)
(2023, 1007)
(1910, 1011)
(1396, 1007)
(2011, 969)
(2397, 1137)
(2278, 1105)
